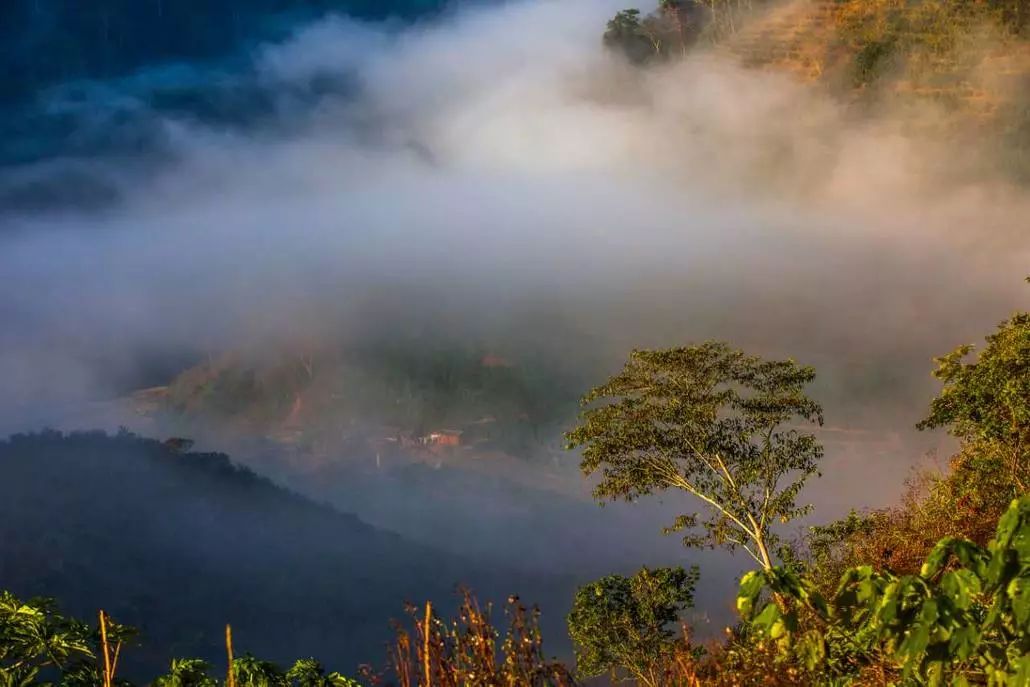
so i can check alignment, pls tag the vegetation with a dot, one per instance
(470, 651)
(402, 386)
(986, 404)
(177, 544)
(963, 619)
(886, 33)
(675, 27)
(623, 625)
(714, 423)
(39, 646)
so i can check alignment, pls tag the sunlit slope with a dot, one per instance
(955, 55)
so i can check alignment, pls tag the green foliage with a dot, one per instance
(33, 638)
(626, 623)
(187, 672)
(987, 402)
(119, 522)
(669, 30)
(37, 644)
(714, 423)
(626, 35)
(964, 619)
(307, 672)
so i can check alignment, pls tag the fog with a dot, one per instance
(496, 175)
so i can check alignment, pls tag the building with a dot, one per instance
(443, 438)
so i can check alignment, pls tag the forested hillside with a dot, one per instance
(377, 396)
(178, 543)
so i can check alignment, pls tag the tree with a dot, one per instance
(249, 671)
(986, 403)
(33, 637)
(187, 672)
(671, 28)
(625, 623)
(710, 421)
(626, 34)
(673, 17)
(307, 672)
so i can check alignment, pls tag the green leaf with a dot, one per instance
(1018, 592)
(751, 586)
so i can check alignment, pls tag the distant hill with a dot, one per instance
(378, 397)
(178, 543)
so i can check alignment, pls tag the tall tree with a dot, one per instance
(715, 423)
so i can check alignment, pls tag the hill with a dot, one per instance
(179, 543)
(956, 71)
(387, 397)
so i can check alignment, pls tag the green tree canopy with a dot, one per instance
(626, 34)
(626, 623)
(986, 402)
(710, 421)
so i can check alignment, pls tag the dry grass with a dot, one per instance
(470, 651)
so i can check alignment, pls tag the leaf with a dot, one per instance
(964, 642)
(1018, 592)
(918, 635)
(751, 586)
(767, 619)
